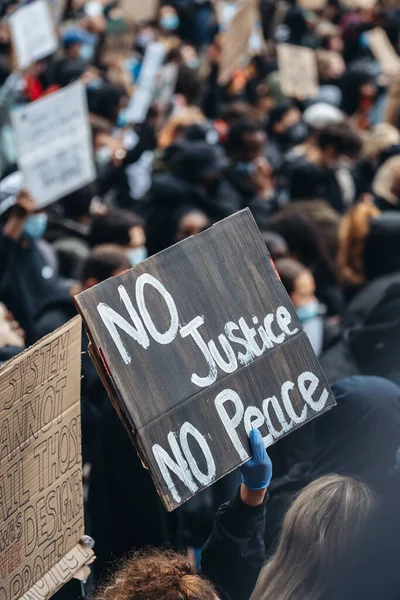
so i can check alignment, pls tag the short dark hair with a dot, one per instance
(103, 262)
(77, 204)
(238, 131)
(289, 270)
(342, 137)
(113, 228)
(278, 112)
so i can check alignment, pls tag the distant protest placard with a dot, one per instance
(198, 345)
(298, 71)
(33, 33)
(147, 83)
(236, 40)
(54, 144)
(41, 501)
(383, 51)
(312, 4)
(139, 10)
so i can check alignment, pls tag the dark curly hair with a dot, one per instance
(157, 575)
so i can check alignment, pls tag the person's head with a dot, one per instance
(246, 142)
(381, 137)
(198, 162)
(103, 262)
(307, 181)
(169, 19)
(171, 132)
(78, 43)
(276, 244)
(328, 515)
(107, 101)
(286, 124)
(338, 141)
(386, 184)
(123, 228)
(159, 575)
(190, 223)
(76, 206)
(188, 84)
(298, 282)
(353, 233)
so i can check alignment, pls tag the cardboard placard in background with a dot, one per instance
(298, 71)
(54, 144)
(383, 51)
(41, 502)
(360, 4)
(236, 40)
(196, 345)
(145, 88)
(139, 10)
(33, 33)
(312, 4)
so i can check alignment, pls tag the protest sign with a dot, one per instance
(312, 4)
(54, 144)
(57, 8)
(360, 4)
(139, 10)
(236, 41)
(33, 33)
(383, 51)
(41, 503)
(196, 346)
(145, 88)
(298, 71)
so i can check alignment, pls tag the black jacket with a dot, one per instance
(233, 556)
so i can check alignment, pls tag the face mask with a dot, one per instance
(86, 52)
(193, 63)
(169, 22)
(136, 255)
(122, 119)
(144, 38)
(296, 134)
(35, 226)
(248, 168)
(103, 156)
(308, 311)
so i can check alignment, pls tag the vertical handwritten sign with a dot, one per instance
(298, 71)
(41, 506)
(147, 83)
(33, 33)
(54, 144)
(236, 40)
(196, 346)
(383, 51)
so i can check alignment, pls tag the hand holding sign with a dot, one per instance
(257, 472)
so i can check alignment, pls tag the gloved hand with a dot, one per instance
(257, 472)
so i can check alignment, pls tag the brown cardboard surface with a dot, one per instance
(139, 10)
(236, 41)
(383, 51)
(298, 71)
(41, 502)
(312, 4)
(177, 393)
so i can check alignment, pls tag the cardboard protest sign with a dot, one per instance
(360, 4)
(145, 88)
(312, 4)
(139, 10)
(298, 71)
(236, 40)
(54, 144)
(33, 33)
(41, 503)
(196, 346)
(383, 51)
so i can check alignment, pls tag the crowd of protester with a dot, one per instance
(321, 177)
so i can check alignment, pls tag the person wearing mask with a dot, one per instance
(285, 129)
(78, 48)
(231, 558)
(28, 270)
(249, 172)
(122, 228)
(327, 516)
(300, 285)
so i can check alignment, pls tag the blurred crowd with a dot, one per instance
(321, 176)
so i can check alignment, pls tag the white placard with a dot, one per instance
(33, 33)
(54, 144)
(146, 85)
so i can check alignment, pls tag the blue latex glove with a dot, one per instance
(257, 472)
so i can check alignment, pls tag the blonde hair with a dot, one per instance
(172, 128)
(386, 177)
(380, 137)
(157, 575)
(353, 232)
(325, 517)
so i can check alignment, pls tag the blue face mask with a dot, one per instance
(136, 255)
(170, 22)
(122, 119)
(308, 311)
(103, 156)
(86, 52)
(35, 226)
(248, 168)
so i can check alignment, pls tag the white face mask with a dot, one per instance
(136, 255)
(103, 156)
